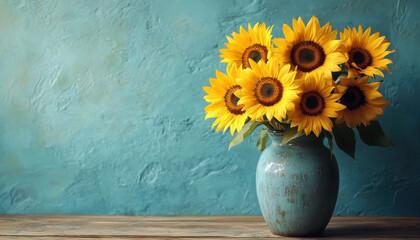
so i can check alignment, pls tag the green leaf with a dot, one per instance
(278, 125)
(290, 134)
(330, 142)
(267, 123)
(247, 129)
(345, 139)
(373, 135)
(262, 139)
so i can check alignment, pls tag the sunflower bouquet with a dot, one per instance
(308, 82)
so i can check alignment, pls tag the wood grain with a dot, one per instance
(191, 227)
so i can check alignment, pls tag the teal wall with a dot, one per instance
(101, 108)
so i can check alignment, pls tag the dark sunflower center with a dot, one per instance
(231, 101)
(312, 103)
(307, 56)
(358, 58)
(255, 55)
(361, 57)
(234, 99)
(268, 91)
(255, 52)
(353, 98)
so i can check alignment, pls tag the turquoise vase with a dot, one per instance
(297, 185)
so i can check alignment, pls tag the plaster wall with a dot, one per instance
(101, 107)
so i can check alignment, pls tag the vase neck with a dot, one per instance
(311, 139)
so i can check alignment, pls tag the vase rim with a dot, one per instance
(280, 133)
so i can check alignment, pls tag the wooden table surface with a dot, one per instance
(191, 227)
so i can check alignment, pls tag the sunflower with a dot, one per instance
(267, 90)
(315, 105)
(362, 100)
(254, 44)
(311, 49)
(224, 103)
(366, 53)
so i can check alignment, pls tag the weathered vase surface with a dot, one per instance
(297, 185)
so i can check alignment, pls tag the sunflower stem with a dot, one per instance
(269, 126)
(273, 124)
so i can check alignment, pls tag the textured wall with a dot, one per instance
(101, 108)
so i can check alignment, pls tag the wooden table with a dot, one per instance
(191, 227)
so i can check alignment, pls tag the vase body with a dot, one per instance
(297, 185)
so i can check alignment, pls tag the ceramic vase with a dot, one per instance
(297, 185)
